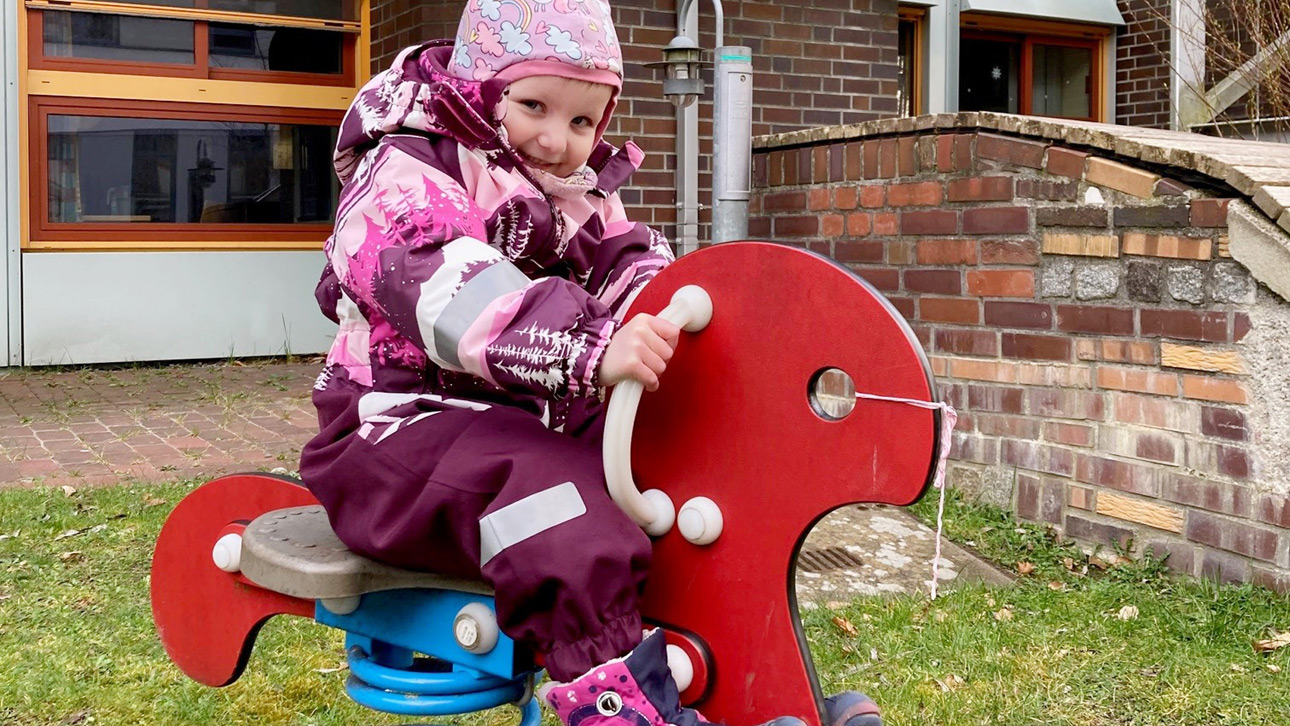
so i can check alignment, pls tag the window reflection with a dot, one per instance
(989, 72)
(318, 9)
(288, 50)
(130, 170)
(1063, 81)
(118, 38)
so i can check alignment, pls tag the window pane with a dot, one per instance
(118, 38)
(114, 170)
(296, 50)
(908, 36)
(163, 3)
(319, 9)
(1063, 85)
(988, 75)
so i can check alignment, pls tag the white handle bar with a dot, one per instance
(690, 308)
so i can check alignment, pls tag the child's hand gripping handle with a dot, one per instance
(691, 309)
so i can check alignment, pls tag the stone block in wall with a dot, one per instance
(1117, 351)
(1274, 509)
(1190, 357)
(1162, 447)
(1142, 281)
(1119, 475)
(1097, 281)
(1231, 283)
(1233, 462)
(1080, 498)
(1040, 500)
(1185, 283)
(1120, 177)
(1057, 277)
(1225, 423)
(1139, 511)
(1076, 243)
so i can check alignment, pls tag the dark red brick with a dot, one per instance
(963, 156)
(945, 153)
(1184, 325)
(1240, 327)
(1018, 152)
(801, 226)
(1010, 252)
(1065, 162)
(886, 279)
(1224, 568)
(908, 157)
(871, 169)
(1090, 531)
(1095, 319)
(998, 399)
(786, 201)
(1171, 188)
(980, 189)
(996, 220)
(1234, 463)
(949, 310)
(854, 161)
(1081, 216)
(1019, 314)
(1035, 347)
(1215, 496)
(1224, 423)
(967, 342)
(1209, 212)
(939, 282)
(1119, 475)
(887, 158)
(858, 251)
(1052, 190)
(1231, 535)
(1153, 215)
(933, 221)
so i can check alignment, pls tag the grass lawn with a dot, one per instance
(1074, 642)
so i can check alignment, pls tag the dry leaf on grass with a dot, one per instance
(1025, 568)
(1003, 614)
(71, 557)
(1128, 612)
(1276, 642)
(1056, 585)
(845, 626)
(67, 534)
(68, 490)
(950, 682)
(152, 502)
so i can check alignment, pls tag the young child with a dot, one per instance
(479, 270)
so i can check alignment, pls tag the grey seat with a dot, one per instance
(295, 552)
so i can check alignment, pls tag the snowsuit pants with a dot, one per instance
(494, 495)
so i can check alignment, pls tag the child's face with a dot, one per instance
(552, 121)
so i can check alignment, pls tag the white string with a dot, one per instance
(948, 418)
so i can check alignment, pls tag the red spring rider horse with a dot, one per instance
(741, 436)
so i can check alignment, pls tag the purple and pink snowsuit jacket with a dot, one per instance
(456, 281)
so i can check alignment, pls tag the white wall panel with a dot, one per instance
(99, 307)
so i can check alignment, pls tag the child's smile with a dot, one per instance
(551, 121)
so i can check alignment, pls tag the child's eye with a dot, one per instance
(582, 121)
(531, 105)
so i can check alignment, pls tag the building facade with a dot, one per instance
(169, 174)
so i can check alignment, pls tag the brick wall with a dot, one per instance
(817, 62)
(1093, 350)
(1142, 76)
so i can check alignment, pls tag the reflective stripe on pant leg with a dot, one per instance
(527, 517)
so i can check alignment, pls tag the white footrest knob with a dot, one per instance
(700, 521)
(227, 553)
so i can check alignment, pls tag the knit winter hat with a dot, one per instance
(505, 40)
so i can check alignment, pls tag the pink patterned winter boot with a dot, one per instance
(638, 690)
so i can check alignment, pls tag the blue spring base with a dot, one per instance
(428, 686)
(386, 632)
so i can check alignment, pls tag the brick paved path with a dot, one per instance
(95, 426)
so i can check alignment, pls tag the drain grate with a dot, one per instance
(827, 560)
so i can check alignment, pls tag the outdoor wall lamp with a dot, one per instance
(682, 71)
(731, 117)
